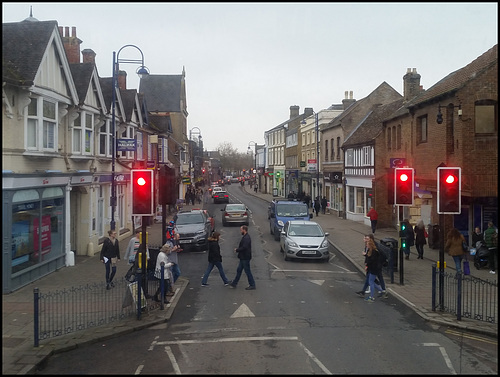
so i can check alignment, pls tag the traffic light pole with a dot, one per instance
(441, 261)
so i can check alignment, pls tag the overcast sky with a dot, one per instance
(247, 63)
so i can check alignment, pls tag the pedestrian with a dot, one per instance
(255, 188)
(244, 251)
(491, 241)
(477, 236)
(167, 273)
(373, 268)
(317, 206)
(110, 255)
(380, 277)
(420, 240)
(214, 260)
(173, 257)
(410, 238)
(324, 204)
(373, 215)
(454, 247)
(291, 195)
(132, 247)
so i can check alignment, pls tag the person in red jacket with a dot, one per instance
(373, 215)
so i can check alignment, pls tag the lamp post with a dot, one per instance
(142, 71)
(316, 130)
(191, 147)
(255, 159)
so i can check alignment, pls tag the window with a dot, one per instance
(398, 137)
(389, 131)
(41, 131)
(326, 150)
(83, 135)
(338, 148)
(105, 140)
(485, 117)
(332, 151)
(349, 157)
(422, 129)
(367, 160)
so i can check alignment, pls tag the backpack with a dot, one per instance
(383, 254)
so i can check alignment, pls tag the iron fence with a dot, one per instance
(88, 306)
(464, 296)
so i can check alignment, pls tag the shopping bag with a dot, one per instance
(466, 268)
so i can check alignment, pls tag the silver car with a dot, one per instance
(301, 239)
(236, 213)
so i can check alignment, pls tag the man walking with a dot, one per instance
(244, 251)
(373, 215)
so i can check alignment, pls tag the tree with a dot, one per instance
(231, 159)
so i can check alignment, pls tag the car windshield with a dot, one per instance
(305, 231)
(292, 210)
(190, 218)
(235, 207)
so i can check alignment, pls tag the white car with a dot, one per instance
(301, 239)
(216, 189)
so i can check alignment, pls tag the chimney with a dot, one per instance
(308, 111)
(411, 84)
(346, 102)
(294, 111)
(88, 56)
(122, 80)
(71, 44)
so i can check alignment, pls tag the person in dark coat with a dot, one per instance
(110, 254)
(420, 240)
(214, 260)
(317, 206)
(244, 251)
(373, 268)
(324, 204)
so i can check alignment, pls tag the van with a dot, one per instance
(280, 211)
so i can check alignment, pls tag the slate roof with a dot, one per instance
(372, 125)
(457, 79)
(162, 92)
(82, 76)
(23, 47)
(128, 101)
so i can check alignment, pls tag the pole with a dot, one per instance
(441, 261)
(113, 140)
(317, 154)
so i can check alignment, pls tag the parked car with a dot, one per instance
(194, 228)
(281, 211)
(301, 239)
(221, 197)
(235, 213)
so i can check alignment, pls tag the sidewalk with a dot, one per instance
(21, 357)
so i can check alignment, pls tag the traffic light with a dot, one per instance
(449, 190)
(402, 235)
(403, 186)
(142, 192)
(167, 186)
(278, 174)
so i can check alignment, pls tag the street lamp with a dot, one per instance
(142, 71)
(316, 128)
(191, 147)
(255, 160)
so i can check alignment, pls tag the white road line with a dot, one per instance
(315, 359)
(171, 356)
(224, 340)
(447, 360)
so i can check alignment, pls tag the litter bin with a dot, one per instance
(392, 244)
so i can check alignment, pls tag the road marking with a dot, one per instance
(224, 340)
(315, 359)
(445, 355)
(242, 311)
(318, 282)
(470, 336)
(171, 356)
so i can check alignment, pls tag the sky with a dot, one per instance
(247, 63)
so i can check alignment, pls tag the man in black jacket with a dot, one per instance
(244, 251)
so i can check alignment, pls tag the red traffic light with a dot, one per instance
(403, 186)
(142, 192)
(449, 190)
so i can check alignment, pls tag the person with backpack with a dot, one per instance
(491, 241)
(380, 277)
(373, 268)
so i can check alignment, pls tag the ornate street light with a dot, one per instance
(198, 132)
(142, 71)
(255, 159)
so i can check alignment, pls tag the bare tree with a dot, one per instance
(231, 159)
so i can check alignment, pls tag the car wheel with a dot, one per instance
(285, 256)
(224, 223)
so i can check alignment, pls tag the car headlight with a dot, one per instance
(292, 243)
(324, 243)
(280, 223)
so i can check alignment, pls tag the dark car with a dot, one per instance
(221, 197)
(194, 228)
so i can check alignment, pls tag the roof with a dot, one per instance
(82, 76)
(162, 92)
(23, 47)
(458, 78)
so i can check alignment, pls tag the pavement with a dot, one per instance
(19, 356)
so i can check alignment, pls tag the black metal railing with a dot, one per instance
(84, 307)
(464, 296)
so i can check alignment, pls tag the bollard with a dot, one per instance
(36, 298)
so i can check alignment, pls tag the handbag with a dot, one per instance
(466, 267)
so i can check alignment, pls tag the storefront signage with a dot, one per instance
(125, 145)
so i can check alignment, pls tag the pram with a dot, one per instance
(481, 256)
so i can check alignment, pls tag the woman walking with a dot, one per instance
(214, 260)
(420, 240)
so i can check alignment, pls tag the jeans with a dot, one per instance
(209, 270)
(244, 265)
(176, 271)
(380, 278)
(458, 263)
(110, 272)
(420, 249)
(374, 225)
(373, 285)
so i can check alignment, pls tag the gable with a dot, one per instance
(50, 73)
